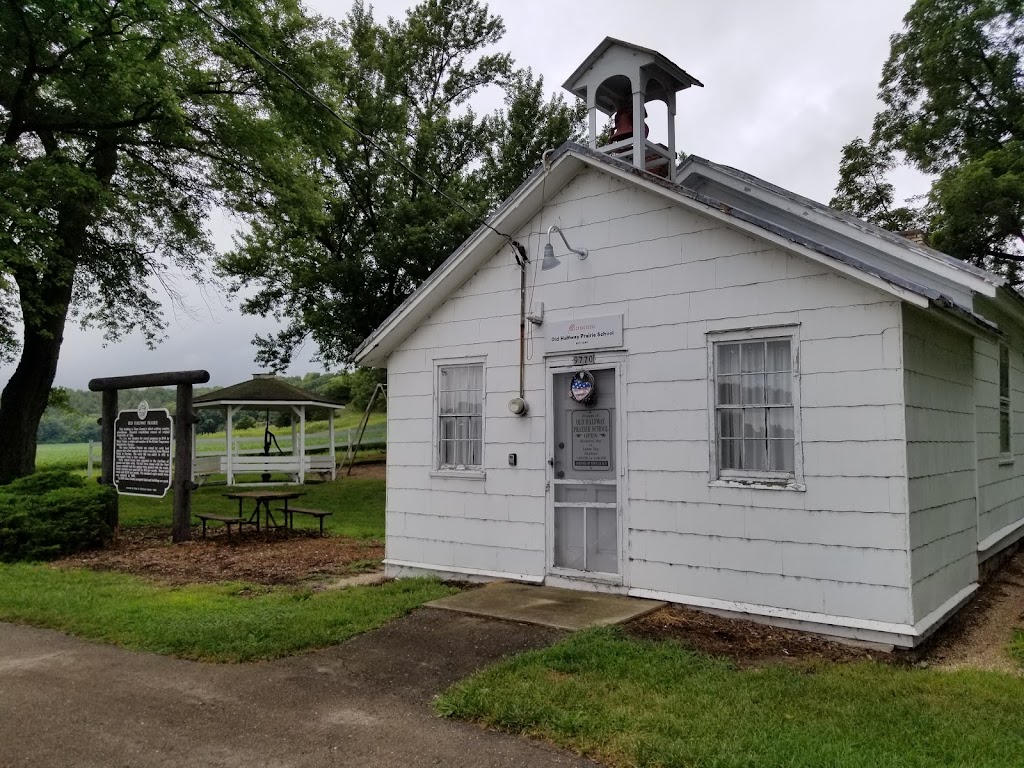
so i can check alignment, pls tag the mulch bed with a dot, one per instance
(747, 643)
(267, 558)
(977, 637)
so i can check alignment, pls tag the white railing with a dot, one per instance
(655, 155)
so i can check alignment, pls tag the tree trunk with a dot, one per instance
(45, 292)
(25, 397)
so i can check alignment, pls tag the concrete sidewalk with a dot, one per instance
(65, 701)
(570, 609)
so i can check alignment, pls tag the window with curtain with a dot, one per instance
(754, 408)
(460, 416)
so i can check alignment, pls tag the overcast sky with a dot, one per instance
(787, 83)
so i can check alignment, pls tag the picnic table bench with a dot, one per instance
(289, 513)
(228, 521)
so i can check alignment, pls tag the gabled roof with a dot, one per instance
(263, 391)
(920, 285)
(839, 216)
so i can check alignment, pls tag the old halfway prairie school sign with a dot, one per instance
(142, 451)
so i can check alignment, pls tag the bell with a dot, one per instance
(623, 125)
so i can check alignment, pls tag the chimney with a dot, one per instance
(264, 375)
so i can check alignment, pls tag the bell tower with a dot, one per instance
(619, 78)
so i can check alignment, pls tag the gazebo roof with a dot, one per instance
(264, 389)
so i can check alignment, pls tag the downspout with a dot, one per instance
(522, 329)
(517, 405)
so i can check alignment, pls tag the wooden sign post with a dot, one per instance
(183, 421)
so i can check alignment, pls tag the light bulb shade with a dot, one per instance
(550, 260)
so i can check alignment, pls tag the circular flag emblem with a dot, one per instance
(581, 389)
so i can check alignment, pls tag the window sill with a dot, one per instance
(1006, 460)
(760, 485)
(461, 474)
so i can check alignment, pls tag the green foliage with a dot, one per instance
(953, 95)
(223, 622)
(864, 191)
(122, 124)
(362, 382)
(528, 126)
(336, 262)
(43, 482)
(53, 513)
(630, 702)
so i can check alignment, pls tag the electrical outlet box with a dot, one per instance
(513, 459)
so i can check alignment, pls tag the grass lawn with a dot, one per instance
(357, 504)
(1017, 646)
(222, 622)
(631, 702)
(66, 456)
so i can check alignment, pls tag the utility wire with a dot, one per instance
(520, 251)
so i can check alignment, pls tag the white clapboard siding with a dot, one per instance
(941, 468)
(840, 547)
(1000, 479)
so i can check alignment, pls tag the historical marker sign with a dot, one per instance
(142, 451)
(591, 439)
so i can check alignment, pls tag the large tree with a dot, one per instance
(120, 121)
(953, 96)
(334, 264)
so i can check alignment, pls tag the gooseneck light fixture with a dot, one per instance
(550, 260)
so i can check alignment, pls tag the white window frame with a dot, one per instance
(793, 481)
(472, 472)
(1005, 405)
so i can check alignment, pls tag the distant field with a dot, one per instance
(76, 455)
(66, 455)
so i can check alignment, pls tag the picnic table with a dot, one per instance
(263, 499)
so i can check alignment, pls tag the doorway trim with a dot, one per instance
(563, 363)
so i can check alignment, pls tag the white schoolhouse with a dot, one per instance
(682, 382)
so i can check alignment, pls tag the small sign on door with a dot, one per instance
(591, 439)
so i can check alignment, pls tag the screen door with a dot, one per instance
(585, 475)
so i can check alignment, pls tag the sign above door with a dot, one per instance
(583, 333)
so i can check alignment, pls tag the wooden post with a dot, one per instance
(227, 438)
(639, 140)
(330, 438)
(302, 444)
(108, 416)
(672, 137)
(182, 485)
(89, 469)
(182, 480)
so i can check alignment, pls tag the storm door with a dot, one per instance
(584, 480)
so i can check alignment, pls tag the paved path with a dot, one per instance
(69, 702)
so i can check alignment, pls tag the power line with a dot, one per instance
(384, 150)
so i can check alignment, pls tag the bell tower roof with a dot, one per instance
(608, 69)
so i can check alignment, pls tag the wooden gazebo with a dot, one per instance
(266, 392)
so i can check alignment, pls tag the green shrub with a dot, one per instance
(51, 514)
(41, 482)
